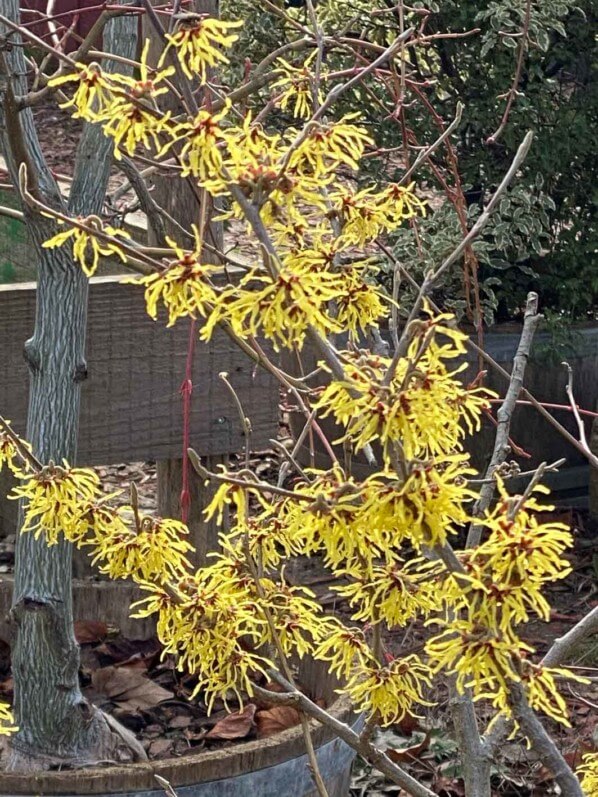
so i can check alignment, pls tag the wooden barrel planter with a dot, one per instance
(545, 378)
(276, 766)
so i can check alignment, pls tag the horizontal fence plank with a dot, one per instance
(131, 403)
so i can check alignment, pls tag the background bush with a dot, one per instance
(545, 236)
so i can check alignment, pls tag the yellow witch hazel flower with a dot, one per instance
(500, 588)
(365, 214)
(394, 593)
(94, 93)
(399, 203)
(328, 146)
(54, 497)
(326, 519)
(200, 155)
(215, 629)
(87, 247)
(298, 82)
(424, 407)
(332, 510)
(10, 454)
(125, 106)
(521, 548)
(298, 298)
(263, 537)
(424, 508)
(296, 617)
(7, 720)
(589, 775)
(510, 568)
(282, 310)
(390, 692)
(542, 692)
(184, 287)
(480, 657)
(359, 213)
(150, 548)
(199, 41)
(359, 305)
(345, 649)
(133, 118)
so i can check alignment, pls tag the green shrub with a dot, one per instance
(545, 236)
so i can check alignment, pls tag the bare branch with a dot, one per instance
(543, 745)
(505, 414)
(365, 748)
(574, 408)
(434, 276)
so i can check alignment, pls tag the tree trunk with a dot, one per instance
(57, 724)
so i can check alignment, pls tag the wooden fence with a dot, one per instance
(131, 406)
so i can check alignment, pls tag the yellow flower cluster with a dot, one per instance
(52, 500)
(366, 214)
(500, 589)
(284, 309)
(334, 510)
(149, 548)
(7, 721)
(390, 692)
(299, 87)
(10, 454)
(184, 287)
(326, 146)
(313, 283)
(198, 44)
(220, 623)
(63, 502)
(125, 106)
(395, 593)
(201, 151)
(87, 246)
(589, 775)
(211, 622)
(424, 407)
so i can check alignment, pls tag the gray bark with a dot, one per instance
(57, 725)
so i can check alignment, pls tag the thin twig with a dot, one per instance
(245, 421)
(378, 759)
(574, 408)
(523, 43)
(533, 401)
(433, 276)
(504, 416)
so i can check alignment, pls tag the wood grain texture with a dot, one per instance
(106, 601)
(130, 401)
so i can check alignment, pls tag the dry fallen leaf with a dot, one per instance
(159, 748)
(129, 688)
(180, 721)
(123, 652)
(234, 726)
(449, 786)
(87, 631)
(405, 754)
(278, 718)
